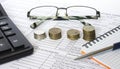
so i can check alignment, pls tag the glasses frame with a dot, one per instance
(57, 17)
(66, 14)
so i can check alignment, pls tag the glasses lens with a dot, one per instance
(44, 11)
(81, 11)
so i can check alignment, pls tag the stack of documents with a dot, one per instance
(53, 54)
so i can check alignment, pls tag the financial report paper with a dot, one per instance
(48, 53)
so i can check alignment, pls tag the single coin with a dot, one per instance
(73, 34)
(39, 34)
(55, 33)
(89, 33)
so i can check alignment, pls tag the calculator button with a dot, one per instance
(9, 33)
(16, 42)
(3, 23)
(1, 35)
(5, 28)
(4, 46)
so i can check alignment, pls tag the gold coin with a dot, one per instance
(39, 34)
(73, 34)
(55, 33)
(88, 33)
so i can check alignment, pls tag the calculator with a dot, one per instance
(13, 44)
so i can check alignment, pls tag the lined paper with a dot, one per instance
(109, 59)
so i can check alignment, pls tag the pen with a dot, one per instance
(115, 46)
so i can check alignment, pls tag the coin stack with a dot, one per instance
(88, 33)
(55, 33)
(73, 34)
(39, 34)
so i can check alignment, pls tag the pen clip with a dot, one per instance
(116, 46)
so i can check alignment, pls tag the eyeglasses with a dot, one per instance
(44, 13)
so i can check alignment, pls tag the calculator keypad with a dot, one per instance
(13, 44)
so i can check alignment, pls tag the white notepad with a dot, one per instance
(108, 59)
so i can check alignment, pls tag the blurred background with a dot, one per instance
(107, 6)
